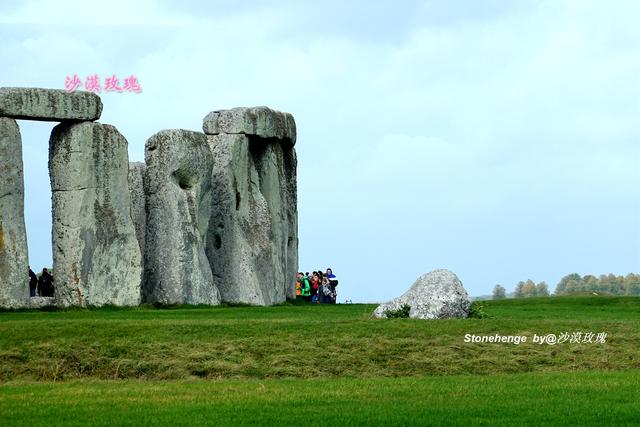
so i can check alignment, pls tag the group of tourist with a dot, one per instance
(42, 286)
(317, 288)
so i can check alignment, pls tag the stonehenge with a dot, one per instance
(261, 122)
(178, 207)
(96, 255)
(209, 217)
(53, 105)
(14, 289)
(252, 241)
(138, 202)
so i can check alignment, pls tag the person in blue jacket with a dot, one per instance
(333, 283)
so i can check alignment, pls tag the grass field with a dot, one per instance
(320, 365)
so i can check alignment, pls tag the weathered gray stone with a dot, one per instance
(178, 204)
(291, 205)
(257, 121)
(96, 256)
(435, 295)
(137, 171)
(253, 236)
(14, 287)
(49, 104)
(40, 302)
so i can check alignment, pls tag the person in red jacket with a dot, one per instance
(315, 285)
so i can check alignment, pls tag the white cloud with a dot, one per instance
(78, 12)
(440, 116)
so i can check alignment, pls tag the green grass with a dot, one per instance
(310, 342)
(584, 307)
(585, 398)
(282, 364)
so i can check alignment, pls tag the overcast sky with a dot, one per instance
(498, 139)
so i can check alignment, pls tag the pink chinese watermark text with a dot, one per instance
(110, 84)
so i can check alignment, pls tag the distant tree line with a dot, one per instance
(523, 290)
(605, 283)
(575, 284)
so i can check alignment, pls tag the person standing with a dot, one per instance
(333, 283)
(299, 287)
(33, 283)
(45, 284)
(315, 284)
(325, 291)
(305, 288)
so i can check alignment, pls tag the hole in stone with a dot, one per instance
(237, 200)
(184, 179)
(217, 241)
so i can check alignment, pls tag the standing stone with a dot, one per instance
(238, 242)
(49, 104)
(435, 295)
(14, 280)
(252, 242)
(178, 204)
(291, 206)
(137, 171)
(96, 256)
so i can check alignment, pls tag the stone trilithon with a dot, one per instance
(209, 217)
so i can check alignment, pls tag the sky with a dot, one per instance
(496, 139)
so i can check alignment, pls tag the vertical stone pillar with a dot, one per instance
(253, 237)
(137, 171)
(14, 278)
(96, 256)
(238, 242)
(291, 206)
(178, 204)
